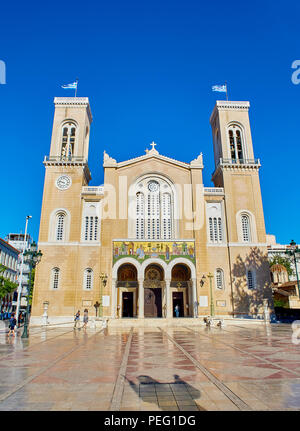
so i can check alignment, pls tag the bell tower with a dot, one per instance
(236, 169)
(66, 174)
(237, 172)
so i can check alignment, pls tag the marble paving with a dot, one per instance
(239, 367)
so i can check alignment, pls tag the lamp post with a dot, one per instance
(21, 270)
(32, 257)
(212, 312)
(103, 278)
(292, 250)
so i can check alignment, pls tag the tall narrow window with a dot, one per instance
(211, 230)
(219, 279)
(166, 216)
(220, 233)
(236, 143)
(246, 234)
(55, 278)
(153, 211)
(68, 141)
(140, 215)
(60, 226)
(250, 279)
(88, 279)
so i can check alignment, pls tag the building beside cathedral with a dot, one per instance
(152, 240)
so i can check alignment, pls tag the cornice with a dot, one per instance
(226, 105)
(109, 162)
(74, 102)
(236, 168)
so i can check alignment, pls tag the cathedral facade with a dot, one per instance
(152, 241)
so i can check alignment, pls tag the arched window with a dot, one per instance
(236, 143)
(60, 226)
(88, 279)
(68, 140)
(246, 230)
(55, 278)
(219, 279)
(250, 279)
(154, 213)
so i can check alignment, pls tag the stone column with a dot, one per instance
(141, 299)
(194, 298)
(168, 299)
(114, 292)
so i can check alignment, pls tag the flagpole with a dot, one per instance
(76, 87)
(226, 91)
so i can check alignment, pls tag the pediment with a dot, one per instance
(152, 154)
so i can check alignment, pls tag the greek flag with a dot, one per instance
(70, 86)
(220, 88)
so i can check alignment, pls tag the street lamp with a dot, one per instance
(212, 312)
(21, 271)
(292, 250)
(32, 257)
(103, 278)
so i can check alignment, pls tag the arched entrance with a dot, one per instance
(153, 291)
(127, 286)
(181, 297)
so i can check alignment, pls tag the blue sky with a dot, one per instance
(148, 68)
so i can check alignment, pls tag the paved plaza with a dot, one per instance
(239, 367)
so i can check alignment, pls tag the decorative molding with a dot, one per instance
(74, 102)
(108, 161)
(223, 105)
(153, 153)
(198, 162)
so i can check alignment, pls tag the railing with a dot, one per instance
(239, 161)
(92, 190)
(213, 190)
(65, 159)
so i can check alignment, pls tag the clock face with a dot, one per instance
(63, 182)
(153, 186)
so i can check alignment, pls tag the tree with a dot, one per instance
(281, 260)
(6, 286)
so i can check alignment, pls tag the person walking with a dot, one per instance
(85, 318)
(177, 310)
(77, 319)
(12, 325)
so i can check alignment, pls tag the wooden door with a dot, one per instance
(152, 304)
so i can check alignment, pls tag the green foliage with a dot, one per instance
(281, 260)
(6, 286)
(281, 303)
